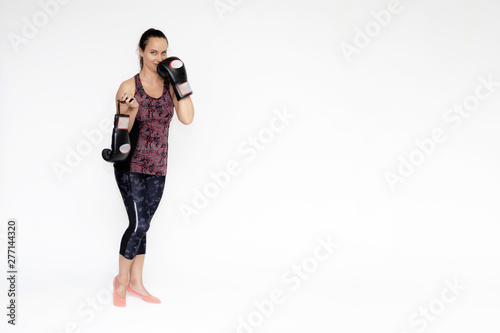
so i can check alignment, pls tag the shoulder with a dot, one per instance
(126, 87)
(128, 84)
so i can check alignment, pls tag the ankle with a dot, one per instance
(122, 280)
(135, 282)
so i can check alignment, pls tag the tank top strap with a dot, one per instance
(138, 84)
(165, 87)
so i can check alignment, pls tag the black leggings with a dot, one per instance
(141, 194)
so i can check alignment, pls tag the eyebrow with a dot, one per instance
(157, 50)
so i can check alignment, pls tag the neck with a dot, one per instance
(149, 76)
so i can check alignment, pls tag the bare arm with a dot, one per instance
(184, 108)
(130, 107)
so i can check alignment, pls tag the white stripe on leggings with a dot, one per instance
(136, 217)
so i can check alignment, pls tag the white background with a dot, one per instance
(322, 176)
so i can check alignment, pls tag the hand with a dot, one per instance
(128, 101)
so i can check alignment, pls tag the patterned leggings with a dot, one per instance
(141, 194)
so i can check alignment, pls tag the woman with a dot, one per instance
(150, 101)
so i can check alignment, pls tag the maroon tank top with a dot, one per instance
(149, 156)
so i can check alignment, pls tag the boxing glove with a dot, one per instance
(174, 69)
(120, 140)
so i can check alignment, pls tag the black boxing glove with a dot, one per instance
(120, 141)
(174, 69)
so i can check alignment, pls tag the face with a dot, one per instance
(154, 53)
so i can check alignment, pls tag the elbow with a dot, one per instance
(187, 121)
(186, 118)
(185, 113)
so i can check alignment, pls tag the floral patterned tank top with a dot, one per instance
(149, 134)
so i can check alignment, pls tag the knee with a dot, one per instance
(142, 228)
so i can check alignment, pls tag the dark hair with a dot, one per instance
(145, 38)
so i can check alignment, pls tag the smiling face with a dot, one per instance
(154, 53)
